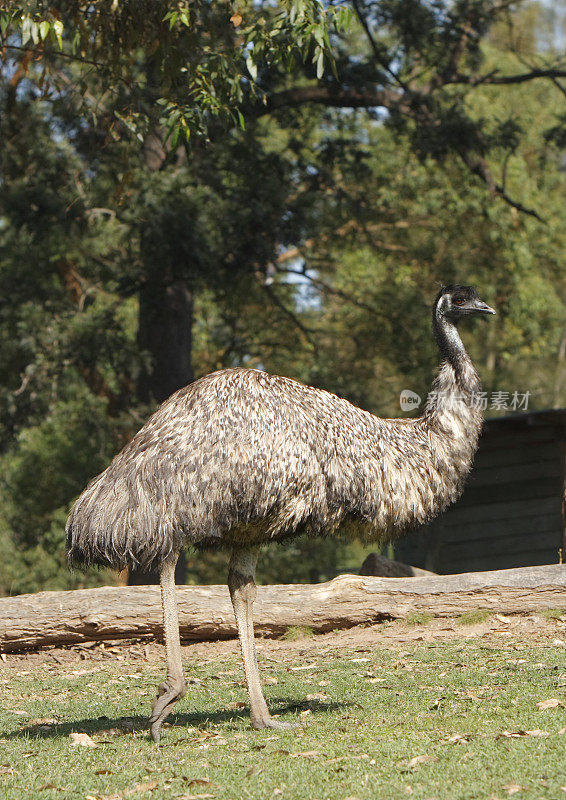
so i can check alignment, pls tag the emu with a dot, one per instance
(240, 458)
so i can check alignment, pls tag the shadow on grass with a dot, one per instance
(201, 720)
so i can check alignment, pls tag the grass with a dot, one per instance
(436, 721)
(474, 617)
(418, 618)
(295, 632)
(553, 613)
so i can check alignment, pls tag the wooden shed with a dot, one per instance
(512, 512)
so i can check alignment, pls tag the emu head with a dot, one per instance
(454, 302)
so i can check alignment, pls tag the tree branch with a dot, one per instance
(333, 97)
(559, 86)
(387, 98)
(457, 53)
(316, 281)
(376, 52)
(288, 313)
(42, 52)
(493, 79)
(479, 167)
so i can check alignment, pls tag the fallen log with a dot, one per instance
(55, 618)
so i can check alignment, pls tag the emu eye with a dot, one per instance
(458, 300)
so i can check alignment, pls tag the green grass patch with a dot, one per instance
(418, 618)
(297, 632)
(474, 617)
(553, 613)
(434, 721)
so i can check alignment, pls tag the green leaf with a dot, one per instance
(343, 18)
(320, 65)
(241, 120)
(172, 17)
(44, 28)
(58, 28)
(26, 30)
(34, 31)
(176, 132)
(130, 125)
(252, 68)
(318, 34)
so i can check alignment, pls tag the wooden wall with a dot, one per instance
(511, 513)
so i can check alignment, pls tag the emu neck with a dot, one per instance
(454, 398)
(448, 339)
(454, 353)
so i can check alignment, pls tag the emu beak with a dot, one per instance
(483, 307)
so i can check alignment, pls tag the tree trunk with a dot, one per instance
(165, 332)
(165, 328)
(165, 320)
(205, 612)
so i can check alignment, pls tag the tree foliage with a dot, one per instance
(303, 228)
(193, 64)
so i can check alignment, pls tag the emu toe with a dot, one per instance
(169, 692)
(276, 724)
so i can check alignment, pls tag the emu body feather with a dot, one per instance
(244, 456)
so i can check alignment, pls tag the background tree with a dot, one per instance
(306, 236)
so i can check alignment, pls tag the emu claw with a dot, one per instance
(168, 693)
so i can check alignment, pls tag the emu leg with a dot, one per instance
(174, 686)
(243, 591)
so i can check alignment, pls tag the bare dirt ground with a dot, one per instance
(497, 631)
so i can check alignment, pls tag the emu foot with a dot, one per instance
(276, 724)
(170, 691)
